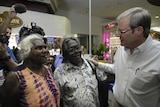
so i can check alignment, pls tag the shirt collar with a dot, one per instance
(145, 45)
(71, 66)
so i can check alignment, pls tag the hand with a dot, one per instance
(95, 57)
(12, 13)
(94, 61)
(3, 51)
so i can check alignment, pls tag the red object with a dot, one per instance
(110, 25)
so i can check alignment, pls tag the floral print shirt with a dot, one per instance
(78, 85)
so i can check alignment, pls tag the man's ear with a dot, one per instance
(140, 30)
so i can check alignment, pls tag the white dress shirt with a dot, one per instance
(137, 75)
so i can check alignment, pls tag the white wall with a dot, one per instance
(53, 25)
(80, 22)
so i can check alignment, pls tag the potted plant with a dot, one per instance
(99, 51)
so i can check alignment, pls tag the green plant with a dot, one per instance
(99, 51)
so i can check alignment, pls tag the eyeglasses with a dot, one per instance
(119, 31)
(72, 50)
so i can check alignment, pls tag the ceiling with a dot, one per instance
(109, 9)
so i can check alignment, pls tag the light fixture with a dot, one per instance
(75, 35)
(157, 29)
(157, 17)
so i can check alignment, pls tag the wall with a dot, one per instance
(80, 22)
(52, 24)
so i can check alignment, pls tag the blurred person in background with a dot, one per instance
(59, 58)
(83, 50)
(8, 35)
(6, 62)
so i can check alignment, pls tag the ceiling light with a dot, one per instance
(157, 16)
(157, 29)
(75, 35)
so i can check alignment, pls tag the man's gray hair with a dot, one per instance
(138, 17)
